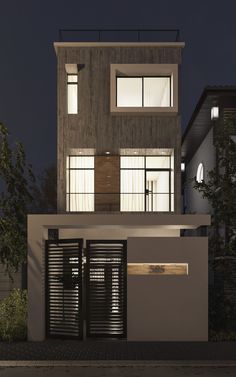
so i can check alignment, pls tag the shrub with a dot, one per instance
(13, 316)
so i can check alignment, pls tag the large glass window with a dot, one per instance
(80, 183)
(72, 94)
(147, 183)
(129, 92)
(143, 91)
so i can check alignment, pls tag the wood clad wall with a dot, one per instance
(6, 285)
(107, 183)
(95, 127)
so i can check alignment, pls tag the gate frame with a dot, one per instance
(79, 241)
(124, 264)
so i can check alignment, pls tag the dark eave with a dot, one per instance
(200, 122)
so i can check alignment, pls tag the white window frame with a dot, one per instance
(145, 70)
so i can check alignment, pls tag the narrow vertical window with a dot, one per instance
(80, 184)
(72, 94)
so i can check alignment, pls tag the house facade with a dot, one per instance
(111, 263)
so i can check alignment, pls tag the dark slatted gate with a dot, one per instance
(106, 289)
(64, 288)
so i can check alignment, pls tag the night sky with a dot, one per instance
(28, 29)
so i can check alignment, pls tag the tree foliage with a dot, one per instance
(219, 188)
(45, 192)
(16, 178)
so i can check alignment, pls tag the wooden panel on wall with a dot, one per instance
(107, 183)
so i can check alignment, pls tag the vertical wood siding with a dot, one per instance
(94, 126)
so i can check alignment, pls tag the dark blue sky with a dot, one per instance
(28, 62)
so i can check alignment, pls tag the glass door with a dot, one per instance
(157, 183)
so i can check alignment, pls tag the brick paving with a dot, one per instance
(117, 350)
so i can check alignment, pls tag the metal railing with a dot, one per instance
(139, 34)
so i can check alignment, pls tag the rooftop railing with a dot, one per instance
(119, 35)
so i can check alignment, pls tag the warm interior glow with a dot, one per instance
(129, 91)
(143, 91)
(147, 183)
(157, 268)
(80, 183)
(72, 94)
(156, 91)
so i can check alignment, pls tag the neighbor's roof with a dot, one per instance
(200, 121)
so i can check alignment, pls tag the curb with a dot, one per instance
(116, 363)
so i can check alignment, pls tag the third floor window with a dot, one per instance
(143, 91)
(72, 94)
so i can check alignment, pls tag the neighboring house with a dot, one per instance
(112, 262)
(217, 103)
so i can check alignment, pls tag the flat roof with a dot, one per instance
(58, 45)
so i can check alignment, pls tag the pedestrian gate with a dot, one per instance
(102, 278)
(64, 288)
(106, 296)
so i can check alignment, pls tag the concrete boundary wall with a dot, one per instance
(168, 307)
(38, 226)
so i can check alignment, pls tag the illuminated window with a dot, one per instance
(80, 183)
(200, 173)
(147, 183)
(143, 91)
(72, 94)
(144, 88)
(157, 268)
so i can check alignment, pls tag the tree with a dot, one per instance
(219, 189)
(16, 178)
(45, 192)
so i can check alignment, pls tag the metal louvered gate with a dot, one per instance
(64, 288)
(106, 289)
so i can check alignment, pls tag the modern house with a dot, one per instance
(112, 263)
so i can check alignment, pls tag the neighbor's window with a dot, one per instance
(80, 183)
(214, 112)
(143, 91)
(72, 94)
(200, 173)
